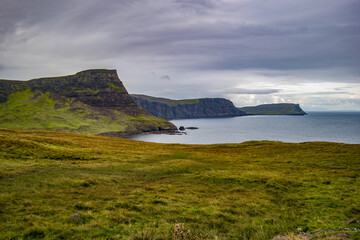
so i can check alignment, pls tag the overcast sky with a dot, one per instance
(249, 51)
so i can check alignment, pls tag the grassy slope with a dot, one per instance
(166, 101)
(25, 109)
(135, 190)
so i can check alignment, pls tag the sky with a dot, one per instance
(249, 51)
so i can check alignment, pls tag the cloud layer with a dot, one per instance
(249, 51)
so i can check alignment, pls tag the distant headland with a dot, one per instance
(209, 108)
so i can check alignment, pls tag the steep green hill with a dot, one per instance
(92, 102)
(187, 108)
(70, 186)
(274, 109)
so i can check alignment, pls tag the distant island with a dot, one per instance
(209, 108)
(274, 109)
(92, 102)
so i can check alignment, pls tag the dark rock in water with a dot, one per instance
(187, 108)
(192, 128)
(181, 128)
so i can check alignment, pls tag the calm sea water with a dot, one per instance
(316, 126)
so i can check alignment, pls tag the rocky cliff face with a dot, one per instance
(92, 101)
(192, 108)
(97, 88)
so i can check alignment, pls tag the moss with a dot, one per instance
(88, 90)
(117, 88)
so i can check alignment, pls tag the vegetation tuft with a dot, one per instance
(70, 186)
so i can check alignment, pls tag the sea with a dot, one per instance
(342, 127)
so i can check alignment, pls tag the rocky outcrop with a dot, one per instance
(97, 88)
(190, 108)
(274, 109)
(91, 101)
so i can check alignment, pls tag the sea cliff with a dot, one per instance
(92, 101)
(189, 108)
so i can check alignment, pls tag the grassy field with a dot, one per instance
(72, 186)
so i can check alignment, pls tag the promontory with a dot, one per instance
(92, 102)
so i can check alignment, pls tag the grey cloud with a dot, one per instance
(222, 42)
(277, 39)
(198, 6)
(165, 77)
(13, 12)
(328, 93)
(251, 91)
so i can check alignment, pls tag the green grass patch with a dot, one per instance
(64, 185)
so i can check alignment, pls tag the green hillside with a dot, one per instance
(70, 186)
(92, 102)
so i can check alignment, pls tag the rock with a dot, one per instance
(181, 128)
(350, 221)
(179, 231)
(280, 238)
(192, 128)
(339, 236)
(306, 236)
(75, 217)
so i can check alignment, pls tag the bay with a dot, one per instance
(341, 127)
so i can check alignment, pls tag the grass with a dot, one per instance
(71, 186)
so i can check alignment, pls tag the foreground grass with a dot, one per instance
(123, 189)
